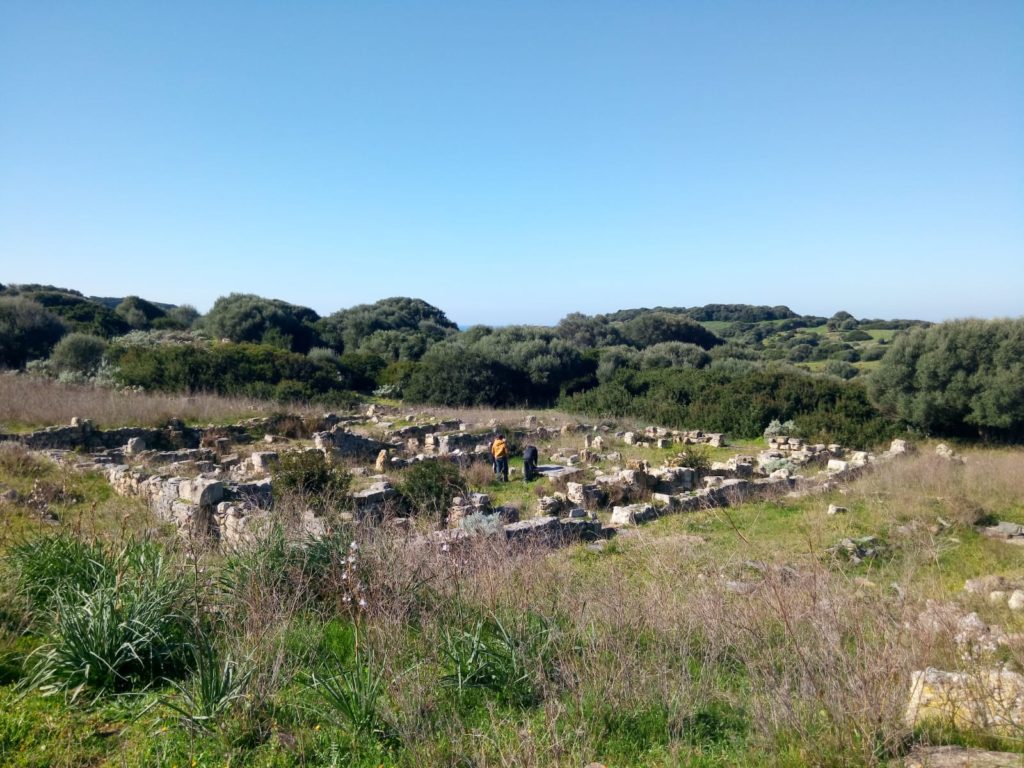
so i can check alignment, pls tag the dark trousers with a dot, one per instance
(529, 469)
(501, 468)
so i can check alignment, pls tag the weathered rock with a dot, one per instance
(549, 505)
(134, 446)
(990, 700)
(961, 757)
(1016, 600)
(943, 451)
(899, 447)
(834, 509)
(837, 465)
(589, 496)
(201, 491)
(263, 461)
(983, 584)
(632, 514)
(1010, 532)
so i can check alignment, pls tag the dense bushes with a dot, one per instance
(243, 317)
(80, 353)
(308, 476)
(414, 325)
(961, 378)
(428, 487)
(740, 404)
(452, 375)
(229, 369)
(27, 331)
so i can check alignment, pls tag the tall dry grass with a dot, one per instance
(28, 402)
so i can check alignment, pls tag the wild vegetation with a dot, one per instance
(721, 637)
(720, 366)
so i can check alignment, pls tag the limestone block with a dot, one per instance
(1016, 601)
(633, 514)
(135, 446)
(834, 509)
(202, 491)
(262, 461)
(837, 465)
(989, 700)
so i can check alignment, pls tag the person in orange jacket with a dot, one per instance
(499, 452)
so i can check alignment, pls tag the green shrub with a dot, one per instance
(963, 378)
(227, 369)
(217, 684)
(48, 565)
(428, 487)
(114, 638)
(27, 331)
(117, 619)
(739, 402)
(308, 475)
(80, 353)
(841, 369)
(356, 695)
(489, 657)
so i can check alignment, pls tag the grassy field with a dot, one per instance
(28, 402)
(723, 637)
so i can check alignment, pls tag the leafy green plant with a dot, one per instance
(116, 618)
(48, 565)
(113, 639)
(217, 683)
(308, 475)
(356, 693)
(492, 658)
(429, 487)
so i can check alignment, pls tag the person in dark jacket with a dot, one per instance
(530, 463)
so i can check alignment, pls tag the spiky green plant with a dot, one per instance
(356, 693)
(217, 683)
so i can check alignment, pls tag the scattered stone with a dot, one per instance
(1012, 533)
(857, 550)
(997, 597)
(632, 514)
(961, 757)
(549, 505)
(833, 509)
(9, 496)
(899, 447)
(983, 584)
(134, 446)
(262, 461)
(1016, 601)
(944, 452)
(991, 700)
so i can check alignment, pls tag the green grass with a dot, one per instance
(564, 657)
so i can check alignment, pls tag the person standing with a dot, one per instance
(530, 463)
(499, 452)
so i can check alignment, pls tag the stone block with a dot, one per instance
(262, 461)
(991, 700)
(633, 514)
(202, 491)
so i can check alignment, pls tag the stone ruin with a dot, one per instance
(200, 480)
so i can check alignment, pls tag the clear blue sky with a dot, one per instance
(516, 161)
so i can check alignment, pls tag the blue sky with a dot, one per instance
(513, 162)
